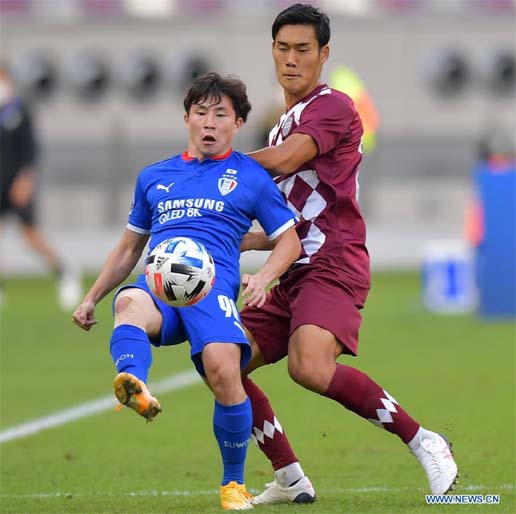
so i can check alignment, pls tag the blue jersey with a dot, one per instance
(213, 201)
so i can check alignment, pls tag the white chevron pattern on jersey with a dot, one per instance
(269, 430)
(384, 415)
(312, 207)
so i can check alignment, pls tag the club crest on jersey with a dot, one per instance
(285, 129)
(226, 185)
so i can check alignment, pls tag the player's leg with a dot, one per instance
(311, 363)
(37, 243)
(69, 279)
(232, 420)
(221, 363)
(136, 319)
(271, 322)
(312, 354)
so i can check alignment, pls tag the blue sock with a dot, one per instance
(130, 350)
(232, 427)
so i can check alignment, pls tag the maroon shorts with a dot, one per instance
(306, 295)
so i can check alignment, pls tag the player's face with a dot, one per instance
(298, 60)
(212, 127)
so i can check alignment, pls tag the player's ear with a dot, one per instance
(324, 54)
(238, 123)
(185, 118)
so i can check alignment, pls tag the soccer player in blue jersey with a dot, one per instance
(188, 195)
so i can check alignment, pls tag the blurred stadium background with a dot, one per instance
(107, 79)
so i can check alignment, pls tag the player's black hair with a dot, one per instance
(304, 14)
(212, 85)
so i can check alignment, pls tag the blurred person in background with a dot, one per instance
(496, 151)
(18, 170)
(215, 109)
(313, 315)
(268, 118)
(347, 80)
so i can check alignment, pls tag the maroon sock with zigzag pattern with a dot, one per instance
(358, 393)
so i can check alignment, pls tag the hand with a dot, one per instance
(84, 315)
(254, 290)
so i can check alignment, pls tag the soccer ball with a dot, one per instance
(180, 271)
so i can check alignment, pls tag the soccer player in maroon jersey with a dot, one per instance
(313, 315)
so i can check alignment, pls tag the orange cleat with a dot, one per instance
(133, 393)
(234, 496)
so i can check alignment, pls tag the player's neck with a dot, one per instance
(192, 153)
(292, 99)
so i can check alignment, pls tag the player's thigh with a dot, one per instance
(172, 330)
(257, 359)
(136, 307)
(221, 362)
(268, 328)
(330, 307)
(215, 319)
(310, 344)
(311, 357)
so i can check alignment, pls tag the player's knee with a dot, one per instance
(298, 372)
(222, 374)
(221, 363)
(128, 310)
(123, 304)
(307, 375)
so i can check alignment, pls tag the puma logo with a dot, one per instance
(165, 188)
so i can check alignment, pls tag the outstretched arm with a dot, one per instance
(288, 156)
(286, 250)
(120, 262)
(256, 241)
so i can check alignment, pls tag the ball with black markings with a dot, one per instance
(180, 271)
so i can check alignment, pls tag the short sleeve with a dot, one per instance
(327, 119)
(140, 215)
(272, 211)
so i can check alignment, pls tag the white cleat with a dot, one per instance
(69, 289)
(301, 492)
(435, 455)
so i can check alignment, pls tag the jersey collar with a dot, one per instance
(189, 158)
(314, 91)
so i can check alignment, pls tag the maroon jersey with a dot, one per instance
(323, 192)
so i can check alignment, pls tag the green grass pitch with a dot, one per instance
(454, 374)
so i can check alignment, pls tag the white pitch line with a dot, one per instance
(360, 490)
(83, 410)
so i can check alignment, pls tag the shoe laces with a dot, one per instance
(248, 495)
(235, 492)
(435, 469)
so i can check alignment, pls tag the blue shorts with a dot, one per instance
(215, 319)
